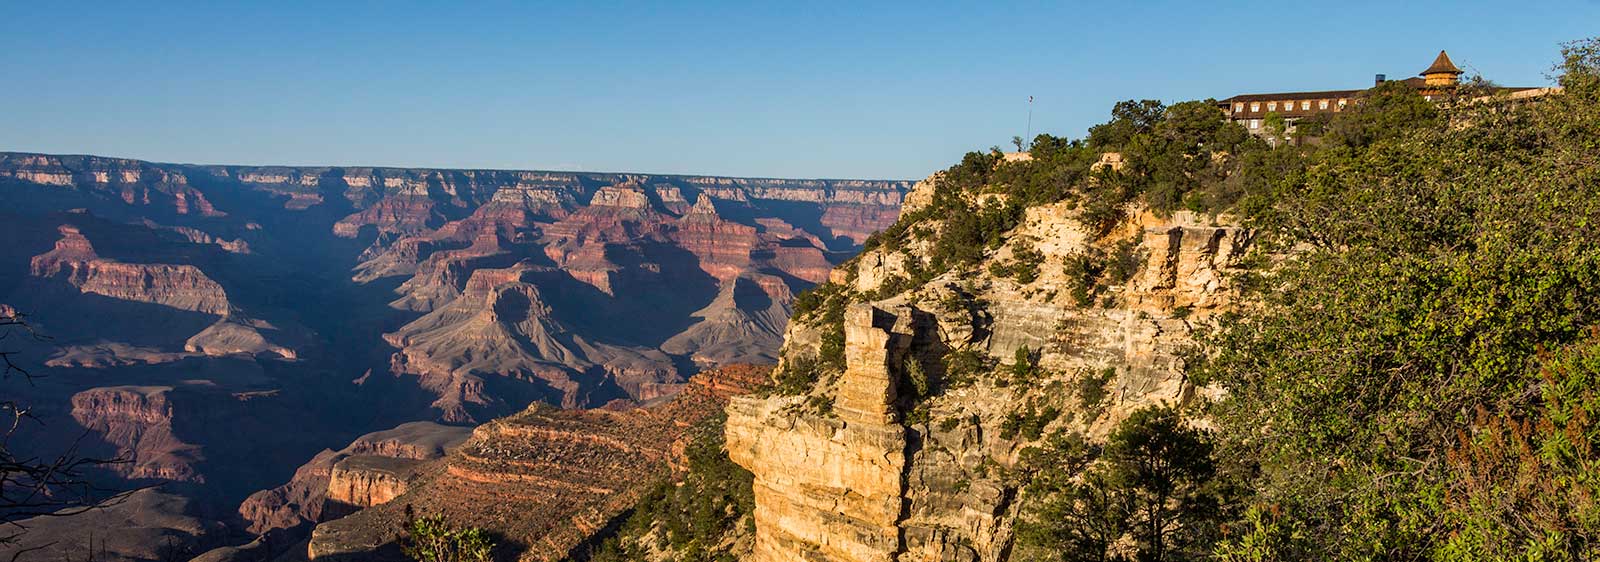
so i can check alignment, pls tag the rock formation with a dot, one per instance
(868, 479)
(306, 498)
(180, 286)
(544, 479)
(221, 325)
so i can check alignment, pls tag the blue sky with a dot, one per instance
(789, 89)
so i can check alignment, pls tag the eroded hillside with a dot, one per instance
(1372, 338)
(913, 450)
(181, 307)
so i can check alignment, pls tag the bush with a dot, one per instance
(1093, 390)
(691, 519)
(1029, 423)
(1152, 488)
(1024, 265)
(1523, 474)
(1398, 389)
(1024, 366)
(1083, 270)
(798, 376)
(917, 379)
(431, 539)
(823, 306)
(963, 367)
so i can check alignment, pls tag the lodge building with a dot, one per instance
(1251, 110)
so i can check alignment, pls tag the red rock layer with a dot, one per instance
(303, 499)
(545, 479)
(857, 222)
(137, 422)
(399, 214)
(179, 286)
(131, 181)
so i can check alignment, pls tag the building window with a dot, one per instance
(1272, 106)
(1322, 104)
(1341, 104)
(1255, 123)
(1238, 108)
(1255, 106)
(1305, 105)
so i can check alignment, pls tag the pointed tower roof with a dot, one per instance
(1442, 65)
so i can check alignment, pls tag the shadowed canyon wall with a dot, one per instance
(218, 326)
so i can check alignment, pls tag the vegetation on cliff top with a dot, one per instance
(1415, 384)
(1414, 380)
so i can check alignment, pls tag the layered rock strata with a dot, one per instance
(868, 481)
(544, 480)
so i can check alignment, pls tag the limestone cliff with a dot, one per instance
(866, 468)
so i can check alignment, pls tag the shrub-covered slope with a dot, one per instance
(1173, 340)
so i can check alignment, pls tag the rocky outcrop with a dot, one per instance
(869, 480)
(368, 480)
(135, 183)
(307, 497)
(215, 291)
(179, 286)
(137, 421)
(830, 487)
(544, 480)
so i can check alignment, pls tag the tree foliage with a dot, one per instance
(1393, 384)
(432, 539)
(1150, 494)
(691, 520)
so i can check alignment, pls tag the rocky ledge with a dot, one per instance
(847, 473)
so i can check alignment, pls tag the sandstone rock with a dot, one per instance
(306, 497)
(368, 480)
(179, 286)
(544, 479)
(862, 484)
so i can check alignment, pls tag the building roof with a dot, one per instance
(1325, 94)
(1442, 65)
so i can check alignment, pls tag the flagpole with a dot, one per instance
(1028, 140)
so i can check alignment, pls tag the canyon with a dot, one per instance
(531, 366)
(187, 315)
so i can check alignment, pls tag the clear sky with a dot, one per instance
(788, 89)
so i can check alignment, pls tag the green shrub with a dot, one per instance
(1399, 389)
(691, 519)
(1126, 259)
(1083, 270)
(1024, 265)
(1028, 423)
(963, 367)
(1024, 366)
(1092, 391)
(798, 375)
(1152, 488)
(917, 379)
(431, 539)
